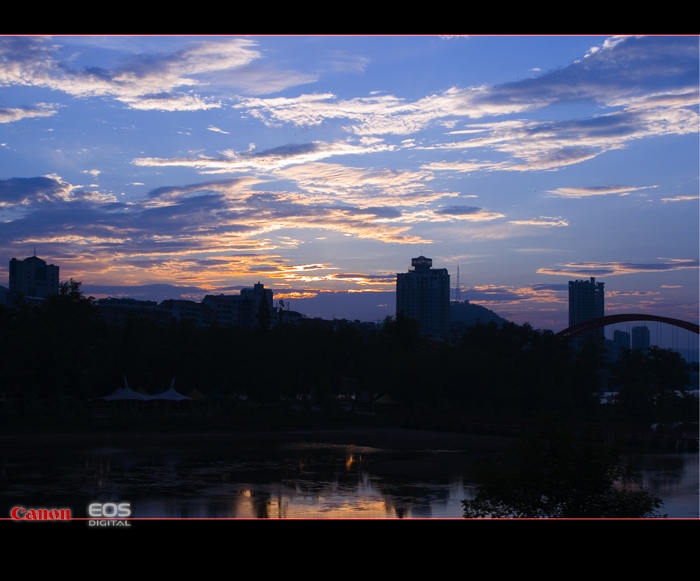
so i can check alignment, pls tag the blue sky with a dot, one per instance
(320, 166)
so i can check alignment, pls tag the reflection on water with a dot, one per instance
(297, 480)
(674, 478)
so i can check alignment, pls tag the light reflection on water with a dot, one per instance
(296, 480)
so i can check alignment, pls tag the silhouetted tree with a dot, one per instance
(264, 315)
(649, 385)
(553, 474)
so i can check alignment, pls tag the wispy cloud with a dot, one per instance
(618, 268)
(623, 76)
(165, 82)
(8, 115)
(217, 130)
(469, 213)
(343, 62)
(593, 191)
(328, 183)
(625, 72)
(550, 145)
(230, 161)
(544, 221)
(507, 295)
(680, 199)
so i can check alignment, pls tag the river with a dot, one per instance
(278, 477)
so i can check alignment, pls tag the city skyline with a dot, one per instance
(319, 166)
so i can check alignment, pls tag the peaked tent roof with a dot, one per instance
(171, 394)
(125, 393)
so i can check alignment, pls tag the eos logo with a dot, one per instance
(109, 510)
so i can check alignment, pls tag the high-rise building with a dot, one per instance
(32, 277)
(423, 294)
(621, 340)
(640, 338)
(586, 302)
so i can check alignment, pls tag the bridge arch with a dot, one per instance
(586, 326)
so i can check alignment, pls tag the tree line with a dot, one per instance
(63, 349)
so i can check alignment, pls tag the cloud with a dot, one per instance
(321, 274)
(550, 145)
(170, 102)
(626, 71)
(469, 213)
(507, 295)
(334, 183)
(342, 62)
(164, 82)
(230, 161)
(24, 191)
(632, 293)
(165, 233)
(363, 279)
(9, 115)
(587, 269)
(593, 191)
(467, 166)
(217, 130)
(680, 199)
(648, 86)
(374, 115)
(544, 221)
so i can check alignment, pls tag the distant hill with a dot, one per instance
(464, 314)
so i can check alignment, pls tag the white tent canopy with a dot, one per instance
(126, 393)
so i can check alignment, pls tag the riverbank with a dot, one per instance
(429, 454)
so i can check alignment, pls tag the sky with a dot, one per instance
(320, 165)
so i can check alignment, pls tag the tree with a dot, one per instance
(264, 315)
(553, 474)
(649, 385)
(71, 289)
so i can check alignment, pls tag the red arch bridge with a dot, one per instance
(581, 328)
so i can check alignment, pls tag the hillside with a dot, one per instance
(464, 314)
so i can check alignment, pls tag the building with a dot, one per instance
(423, 294)
(640, 338)
(586, 302)
(184, 310)
(242, 310)
(32, 277)
(117, 311)
(621, 340)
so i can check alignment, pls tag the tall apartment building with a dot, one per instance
(640, 338)
(32, 277)
(621, 340)
(586, 302)
(423, 294)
